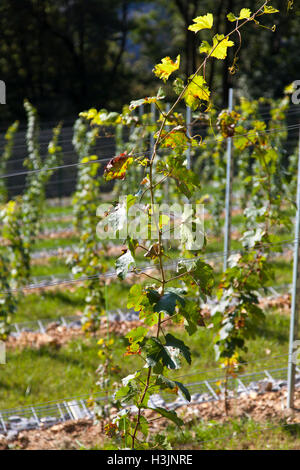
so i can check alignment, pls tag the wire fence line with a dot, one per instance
(79, 407)
(251, 133)
(168, 266)
(69, 130)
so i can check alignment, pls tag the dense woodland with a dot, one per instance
(68, 55)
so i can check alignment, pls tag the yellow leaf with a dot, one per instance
(202, 22)
(270, 9)
(244, 13)
(219, 48)
(166, 67)
(197, 90)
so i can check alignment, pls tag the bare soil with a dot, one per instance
(269, 407)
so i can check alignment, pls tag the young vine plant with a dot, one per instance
(159, 302)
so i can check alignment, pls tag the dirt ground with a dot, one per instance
(56, 336)
(268, 407)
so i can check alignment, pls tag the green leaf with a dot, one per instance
(144, 426)
(123, 264)
(156, 352)
(171, 415)
(183, 390)
(167, 302)
(201, 272)
(191, 314)
(122, 393)
(137, 334)
(177, 343)
(178, 86)
(166, 383)
(135, 297)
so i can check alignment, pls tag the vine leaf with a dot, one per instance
(201, 272)
(166, 384)
(269, 9)
(169, 414)
(167, 302)
(129, 378)
(191, 314)
(167, 354)
(220, 46)
(115, 220)
(123, 264)
(171, 341)
(244, 14)
(117, 167)
(196, 91)
(148, 99)
(175, 138)
(166, 67)
(202, 22)
(137, 334)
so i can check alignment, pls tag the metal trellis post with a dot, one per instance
(152, 122)
(295, 300)
(188, 126)
(167, 180)
(229, 174)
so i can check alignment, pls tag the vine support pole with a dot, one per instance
(167, 180)
(141, 112)
(188, 127)
(228, 197)
(295, 300)
(152, 122)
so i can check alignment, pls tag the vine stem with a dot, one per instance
(139, 411)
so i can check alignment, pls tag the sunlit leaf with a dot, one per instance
(196, 91)
(117, 167)
(202, 22)
(269, 9)
(244, 13)
(219, 48)
(166, 67)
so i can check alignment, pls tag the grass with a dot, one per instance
(65, 302)
(34, 376)
(234, 434)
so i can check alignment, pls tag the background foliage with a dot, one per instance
(65, 56)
